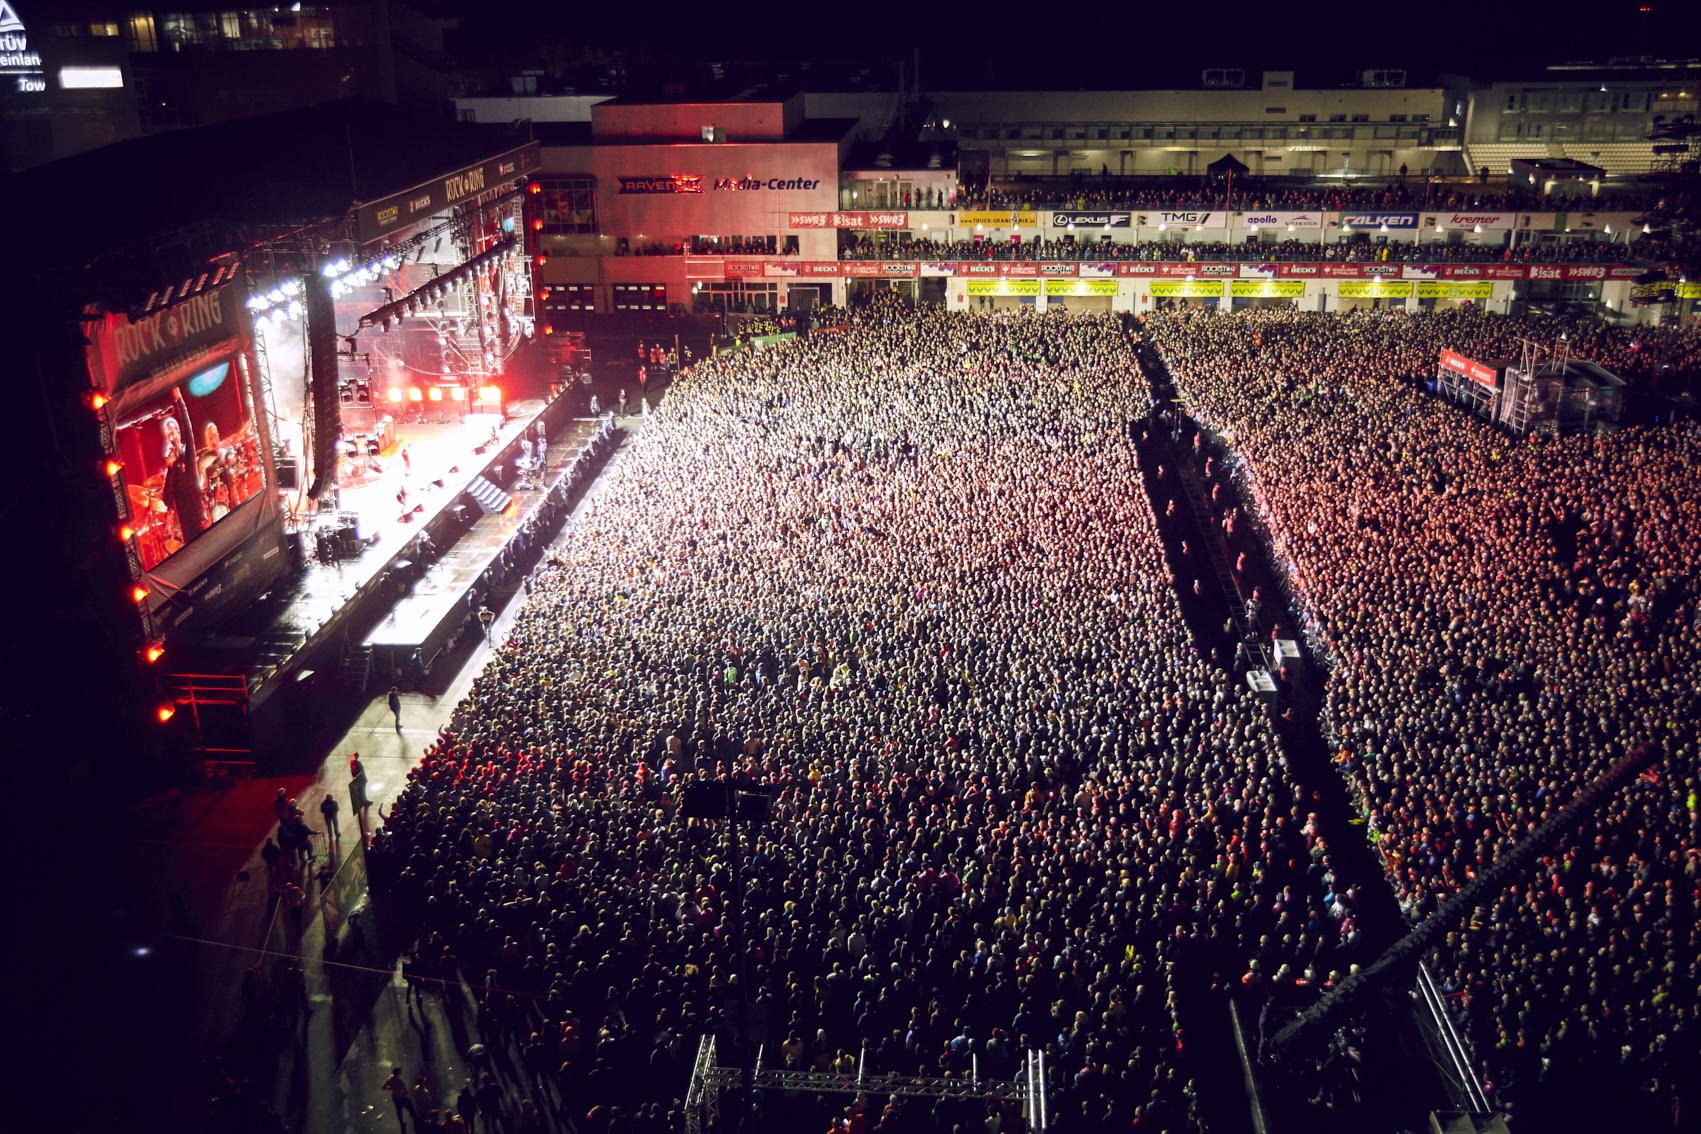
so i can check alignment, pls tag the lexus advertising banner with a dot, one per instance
(1092, 220)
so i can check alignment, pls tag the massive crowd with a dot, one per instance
(1244, 193)
(1507, 618)
(904, 577)
(1602, 251)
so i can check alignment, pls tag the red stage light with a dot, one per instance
(139, 592)
(395, 394)
(435, 393)
(541, 259)
(535, 187)
(166, 712)
(95, 399)
(537, 225)
(548, 330)
(543, 294)
(154, 652)
(414, 395)
(126, 533)
(113, 467)
(459, 393)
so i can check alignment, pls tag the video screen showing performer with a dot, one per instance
(191, 456)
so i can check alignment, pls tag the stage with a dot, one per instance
(437, 605)
(307, 622)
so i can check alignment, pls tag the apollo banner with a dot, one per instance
(1290, 221)
(1267, 289)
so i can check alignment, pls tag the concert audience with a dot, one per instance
(1506, 618)
(905, 579)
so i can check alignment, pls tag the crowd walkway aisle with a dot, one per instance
(197, 907)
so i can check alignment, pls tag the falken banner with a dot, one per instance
(1373, 220)
(1091, 220)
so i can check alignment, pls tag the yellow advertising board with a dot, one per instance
(1689, 290)
(1290, 289)
(1192, 289)
(1004, 287)
(1446, 289)
(998, 220)
(1080, 287)
(1374, 289)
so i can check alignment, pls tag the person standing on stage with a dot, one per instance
(396, 707)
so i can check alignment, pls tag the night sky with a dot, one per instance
(1087, 45)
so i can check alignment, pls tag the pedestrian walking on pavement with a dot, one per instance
(487, 618)
(489, 1097)
(466, 1105)
(358, 802)
(280, 807)
(294, 899)
(272, 854)
(398, 1088)
(396, 707)
(328, 809)
(423, 1101)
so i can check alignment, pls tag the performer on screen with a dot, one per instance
(216, 463)
(182, 482)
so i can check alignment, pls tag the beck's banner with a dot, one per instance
(1267, 289)
(1091, 220)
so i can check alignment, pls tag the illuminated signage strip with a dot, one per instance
(399, 210)
(1374, 289)
(1190, 289)
(20, 65)
(831, 219)
(1256, 289)
(1081, 287)
(1004, 287)
(669, 183)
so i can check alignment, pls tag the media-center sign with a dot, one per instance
(691, 183)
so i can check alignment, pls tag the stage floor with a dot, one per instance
(445, 586)
(269, 632)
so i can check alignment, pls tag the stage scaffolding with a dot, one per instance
(709, 1079)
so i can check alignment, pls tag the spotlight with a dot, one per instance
(165, 712)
